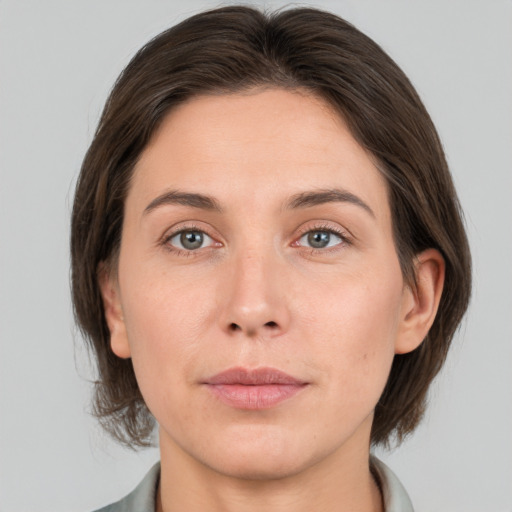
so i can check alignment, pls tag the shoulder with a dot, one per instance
(142, 498)
(394, 495)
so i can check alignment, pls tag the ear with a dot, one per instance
(419, 305)
(109, 289)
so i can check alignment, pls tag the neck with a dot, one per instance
(340, 482)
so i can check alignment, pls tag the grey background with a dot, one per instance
(58, 60)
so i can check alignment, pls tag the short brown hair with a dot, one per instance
(233, 49)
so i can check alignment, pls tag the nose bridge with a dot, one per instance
(256, 304)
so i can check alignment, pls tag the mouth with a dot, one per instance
(261, 388)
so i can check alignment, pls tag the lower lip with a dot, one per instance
(254, 397)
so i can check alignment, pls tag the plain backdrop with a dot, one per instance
(58, 60)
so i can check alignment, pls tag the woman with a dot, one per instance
(268, 260)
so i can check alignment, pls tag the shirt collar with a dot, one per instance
(394, 495)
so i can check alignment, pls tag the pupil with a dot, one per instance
(319, 239)
(191, 239)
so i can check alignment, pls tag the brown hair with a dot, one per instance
(232, 49)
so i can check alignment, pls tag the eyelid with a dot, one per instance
(320, 225)
(179, 233)
(325, 226)
(179, 228)
(345, 236)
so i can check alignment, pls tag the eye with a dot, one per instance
(190, 240)
(320, 239)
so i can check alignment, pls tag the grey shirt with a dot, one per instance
(143, 497)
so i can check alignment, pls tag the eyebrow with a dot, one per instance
(193, 200)
(301, 200)
(322, 196)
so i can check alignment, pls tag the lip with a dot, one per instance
(261, 388)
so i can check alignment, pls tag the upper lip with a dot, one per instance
(255, 377)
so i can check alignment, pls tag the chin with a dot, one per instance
(261, 468)
(264, 458)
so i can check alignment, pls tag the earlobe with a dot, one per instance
(113, 312)
(419, 305)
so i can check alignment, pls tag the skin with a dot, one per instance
(256, 294)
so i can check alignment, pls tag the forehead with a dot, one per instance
(260, 144)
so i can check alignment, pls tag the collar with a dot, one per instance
(394, 495)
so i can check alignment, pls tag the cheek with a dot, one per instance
(354, 322)
(170, 315)
(165, 325)
(160, 302)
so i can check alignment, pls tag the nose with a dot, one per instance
(256, 298)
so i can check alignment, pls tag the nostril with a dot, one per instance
(233, 327)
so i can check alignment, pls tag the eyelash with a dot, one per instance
(325, 228)
(165, 242)
(344, 237)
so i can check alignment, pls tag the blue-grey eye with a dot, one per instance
(320, 239)
(190, 240)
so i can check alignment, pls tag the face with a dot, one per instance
(258, 289)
